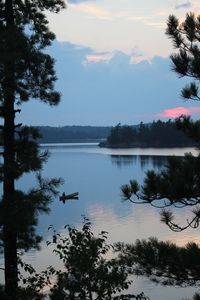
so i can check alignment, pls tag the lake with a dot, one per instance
(97, 174)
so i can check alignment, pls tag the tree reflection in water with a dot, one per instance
(154, 161)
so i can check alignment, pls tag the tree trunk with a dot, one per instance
(10, 243)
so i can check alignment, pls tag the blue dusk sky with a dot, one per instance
(112, 63)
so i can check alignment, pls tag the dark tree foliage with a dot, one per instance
(178, 184)
(156, 134)
(189, 127)
(162, 262)
(121, 135)
(25, 72)
(73, 133)
(186, 38)
(87, 272)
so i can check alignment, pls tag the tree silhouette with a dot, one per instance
(25, 72)
(156, 134)
(88, 273)
(186, 62)
(178, 184)
(162, 262)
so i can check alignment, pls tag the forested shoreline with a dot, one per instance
(157, 134)
(68, 134)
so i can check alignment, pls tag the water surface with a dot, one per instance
(97, 174)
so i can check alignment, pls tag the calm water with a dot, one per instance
(97, 175)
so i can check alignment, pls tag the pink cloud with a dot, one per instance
(178, 111)
(98, 57)
(97, 12)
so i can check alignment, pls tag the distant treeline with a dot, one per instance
(69, 134)
(156, 134)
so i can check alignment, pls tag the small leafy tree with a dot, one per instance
(88, 272)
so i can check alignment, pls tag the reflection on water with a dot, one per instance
(155, 162)
(97, 174)
(123, 160)
(93, 148)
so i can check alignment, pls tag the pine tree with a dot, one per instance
(186, 62)
(178, 184)
(25, 72)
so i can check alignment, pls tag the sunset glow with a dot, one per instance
(178, 111)
(98, 57)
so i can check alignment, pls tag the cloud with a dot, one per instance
(183, 4)
(156, 24)
(78, 1)
(101, 13)
(138, 18)
(98, 57)
(107, 89)
(178, 111)
(149, 21)
(94, 11)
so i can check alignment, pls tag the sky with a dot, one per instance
(112, 63)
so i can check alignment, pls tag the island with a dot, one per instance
(157, 134)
